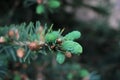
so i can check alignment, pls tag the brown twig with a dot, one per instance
(26, 43)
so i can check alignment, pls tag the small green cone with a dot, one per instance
(40, 9)
(60, 58)
(54, 4)
(51, 37)
(73, 47)
(72, 35)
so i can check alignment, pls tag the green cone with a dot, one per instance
(40, 9)
(72, 35)
(54, 4)
(51, 37)
(73, 47)
(60, 58)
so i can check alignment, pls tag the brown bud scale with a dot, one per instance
(20, 52)
(2, 39)
(11, 33)
(34, 46)
(68, 54)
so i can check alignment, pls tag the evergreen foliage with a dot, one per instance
(23, 42)
(32, 51)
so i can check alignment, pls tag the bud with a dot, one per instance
(54, 4)
(34, 46)
(52, 47)
(20, 52)
(2, 39)
(68, 54)
(72, 35)
(11, 33)
(40, 9)
(59, 41)
(73, 47)
(60, 58)
(52, 36)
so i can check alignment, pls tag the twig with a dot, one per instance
(26, 43)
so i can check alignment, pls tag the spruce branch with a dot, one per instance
(24, 42)
(29, 39)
